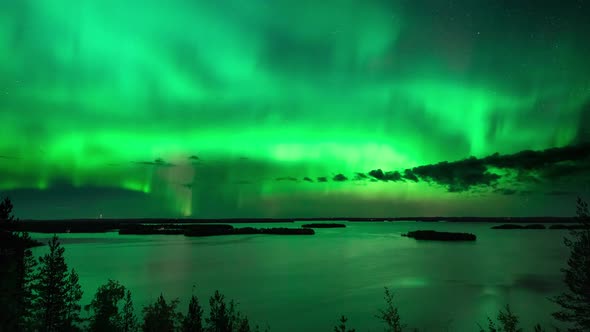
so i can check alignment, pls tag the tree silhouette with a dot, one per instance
(160, 316)
(193, 321)
(6, 210)
(129, 318)
(508, 322)
(224, 317)
(104, 308)
(240, 323)
(237, 322)
(18, 268)
(73, 297)
(219, 314)
(25, 295)
(575, 304)
(58, 292)
(390, 315)
(17, 265)
(341, 327)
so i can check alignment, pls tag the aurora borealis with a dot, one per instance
(293, 108)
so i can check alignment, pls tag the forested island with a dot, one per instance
(440, 236)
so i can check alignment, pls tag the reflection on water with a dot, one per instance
(297, 283)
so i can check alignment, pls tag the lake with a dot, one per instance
(304, 283)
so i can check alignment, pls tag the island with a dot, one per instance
(207, 230)
(440, 236)
(323, 225)
(248, 230)
(172, 229)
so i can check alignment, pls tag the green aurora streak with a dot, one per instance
(111, 94)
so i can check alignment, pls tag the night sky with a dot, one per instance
(285, 108)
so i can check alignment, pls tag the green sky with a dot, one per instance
(223, 108)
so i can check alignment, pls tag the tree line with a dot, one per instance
(44, 295)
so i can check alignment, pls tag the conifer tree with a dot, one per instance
(193, 321)
(57, 292)
(160, 316)
(129, 318)
(575, 304)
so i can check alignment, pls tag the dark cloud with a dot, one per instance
(194, 158)
(188, 185)
(530, 167)
(408, 175)
(377, 174)
(526, 177)
(157, 162)
(287, 178)
(360, 176)
(565, 170)
(339, 178)
(386, 176)
(535, 160)
(518, 169)
(457, 176)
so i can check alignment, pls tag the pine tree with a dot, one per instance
(17, 266)
(242, 324)
(6, 210)
(160, 316)
(193, 321)
(219, 319)
(104, 308)
(224, 317)
(73, 297)
(27, 277)
(129, 318)
(18, 272)
(237, 321)
(575, 304)
(57, 291)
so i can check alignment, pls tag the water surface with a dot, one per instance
(297, 283)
